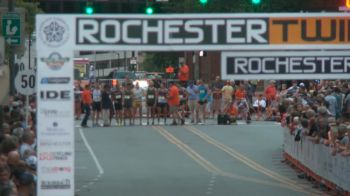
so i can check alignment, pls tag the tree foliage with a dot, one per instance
(31, 10)
(240, 6)
(158, 61)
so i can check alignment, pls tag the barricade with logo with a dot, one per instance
(317, 161)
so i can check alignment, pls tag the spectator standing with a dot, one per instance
(217, 96)
(26, 149)
(291, 91)
(184, 74)
(162, 102)
(227, 93)
(87, 101)
(183, 100)
(339, 98)
(151, 97)
(250, 91)
(203, 99)
(96, 105)
(137, 102)
(106, 104)
(270, 92)
(117, 97)
(128, 102)
(174, 102)
(77, 100)
(240, 92)
(331, 103)
(192, 91)
(7, 186)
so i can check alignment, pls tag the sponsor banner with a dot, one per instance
(287, 65)
(319, 159)
(210, 32)
(55, 80)
(55, 114)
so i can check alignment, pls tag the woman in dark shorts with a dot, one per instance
(162, 103)
(151, 101)
(183, 100)
(128, 100)
(118, 105)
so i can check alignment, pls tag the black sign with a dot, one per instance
(52, 95)
(286, 65)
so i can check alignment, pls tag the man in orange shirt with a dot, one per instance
(240, 92)
(174, 102)
(87, 101)
(184, 75)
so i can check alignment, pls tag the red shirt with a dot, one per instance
(173, 99)
(270, 92)
(240, 94)
(184, 74)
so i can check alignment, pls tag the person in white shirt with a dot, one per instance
(137, 104)
(96, 104)
(259, 106)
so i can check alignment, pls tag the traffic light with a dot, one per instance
(203, 2)
(256, 2)
(89, 9)
(347, 3)
(149, 10)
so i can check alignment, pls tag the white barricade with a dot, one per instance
(318, 158)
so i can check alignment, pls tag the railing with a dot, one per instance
(317, 161)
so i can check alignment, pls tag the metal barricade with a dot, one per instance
(317, 161)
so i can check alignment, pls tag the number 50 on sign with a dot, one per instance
(25, 82)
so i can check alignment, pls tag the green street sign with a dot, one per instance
(11, 28)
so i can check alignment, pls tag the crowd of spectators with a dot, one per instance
(18, 159)
(318, 111)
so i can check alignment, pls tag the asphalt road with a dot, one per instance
(185, 161)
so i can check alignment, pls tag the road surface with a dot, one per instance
(185, 160)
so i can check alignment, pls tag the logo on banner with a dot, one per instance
(55, 80)
(53, 95)
(55, 170)
(54, 130)
(55, 156)
(55, 61)
(54, 32)
(56, 184)
(50, 143)
(53, 113)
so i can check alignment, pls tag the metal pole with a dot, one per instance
(110, 59)
(29, 45)
(10, 6)
(125, 61)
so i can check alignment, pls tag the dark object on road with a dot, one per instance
(224, 119)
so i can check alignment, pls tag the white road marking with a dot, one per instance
(98, 165)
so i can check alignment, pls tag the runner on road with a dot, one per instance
(151, 97)
(117, 96)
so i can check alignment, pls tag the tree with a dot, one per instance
(158, 61)
(240, 6)
(32, 9)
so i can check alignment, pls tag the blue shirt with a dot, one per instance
(192, 92)
(203, 92)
